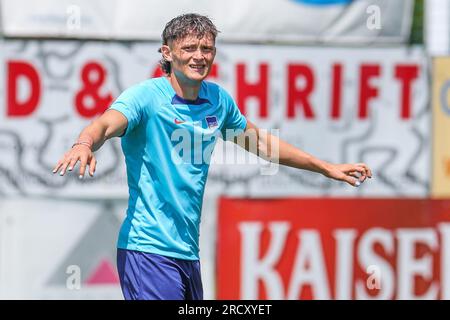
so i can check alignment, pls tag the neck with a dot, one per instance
(184, 89)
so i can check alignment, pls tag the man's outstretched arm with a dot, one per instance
(272, 148)
(110, 124)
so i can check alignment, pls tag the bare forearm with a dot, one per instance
(296, 158)
(110, 124)
(272, 148)
(277, 150)
(94, 134)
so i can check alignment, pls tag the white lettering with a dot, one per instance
(309, 267)
(367, 257)
(253, 268)
(408, 266)
(345, 240)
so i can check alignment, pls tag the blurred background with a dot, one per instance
(347, 81)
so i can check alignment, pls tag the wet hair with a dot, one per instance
(182, 26)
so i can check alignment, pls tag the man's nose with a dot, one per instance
(198, 54)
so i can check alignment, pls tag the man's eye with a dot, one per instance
(190, 49)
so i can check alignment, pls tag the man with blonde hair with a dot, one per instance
(158, 245)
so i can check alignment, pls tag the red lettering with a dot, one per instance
(15, 70)
(336, 93)
(258, 89)
(367, 91)
(93, 75)
(300, 96)
(157, 72)
(406, 74)
(214, 73)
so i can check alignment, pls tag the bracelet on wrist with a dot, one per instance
(87, 144)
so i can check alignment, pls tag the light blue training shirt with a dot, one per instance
(167, 146)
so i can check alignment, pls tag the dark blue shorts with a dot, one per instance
(148, 276)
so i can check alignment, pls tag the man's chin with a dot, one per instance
(198, 76)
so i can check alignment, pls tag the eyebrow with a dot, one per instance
(187, 45)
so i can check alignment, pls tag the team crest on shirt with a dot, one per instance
(212, 122)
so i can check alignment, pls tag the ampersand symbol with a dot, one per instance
(93, 76)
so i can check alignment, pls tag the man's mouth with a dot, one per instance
(197, 67)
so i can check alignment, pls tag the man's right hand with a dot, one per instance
(110, 124)
(80, 153)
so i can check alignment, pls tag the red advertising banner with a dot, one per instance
(357, 98)
(333, 249)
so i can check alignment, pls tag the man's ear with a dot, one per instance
(167, 54)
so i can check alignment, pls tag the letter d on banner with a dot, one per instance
(19, 106)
